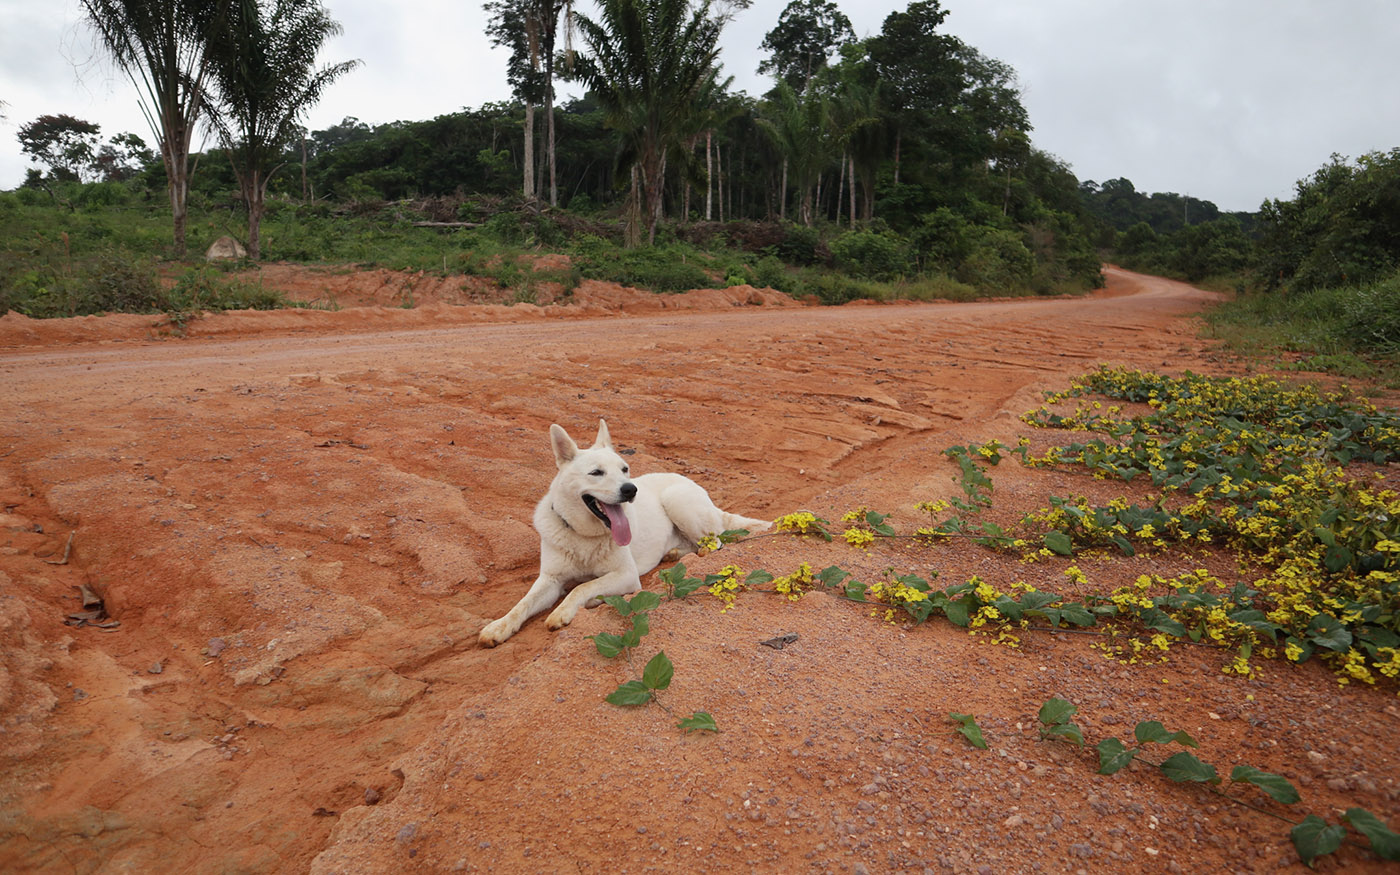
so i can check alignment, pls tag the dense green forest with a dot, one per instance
(900, 165)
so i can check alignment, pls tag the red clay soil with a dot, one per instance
(300, 520)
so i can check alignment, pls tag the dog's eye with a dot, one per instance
(596, 472)
(626, 470)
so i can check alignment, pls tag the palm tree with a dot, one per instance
(161, 45)
(263, 69)
(648, 62)
(856, 116)
(800, 127)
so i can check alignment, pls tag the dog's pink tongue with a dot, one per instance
(621, 531)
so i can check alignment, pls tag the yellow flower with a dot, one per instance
(859, 538)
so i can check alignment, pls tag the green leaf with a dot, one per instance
(1009, 607)
(1278, 789)
(956, 612)
(618, 603)
(970, 730)
(644, 601)
(1327, 631)
(832, 576)
(1385, 843)
(758, 577)
(680, 584)
(700, 721)
(607, 645)
(1315, 837)
(1159, 620)
(1113, 755)
(855, 590)
(1076, 613)
(1066, 730)
(1184, 767)
(729, 536)
(630, 693)
(1337, 559)
(640, 626)
(1031, 601)
(658, 672)
(1056, 711)
(1155, 732)
(686, 587)
(1059, 542)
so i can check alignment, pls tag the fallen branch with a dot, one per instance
(67, 548)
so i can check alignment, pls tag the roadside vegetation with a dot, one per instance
(1314, 280)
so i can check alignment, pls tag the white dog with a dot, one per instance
(600, 530)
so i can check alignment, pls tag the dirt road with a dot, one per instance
(300, 521)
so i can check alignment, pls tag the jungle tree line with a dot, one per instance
(246, 68)
(911, 129)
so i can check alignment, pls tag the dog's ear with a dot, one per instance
(604, 440)
(564, 447)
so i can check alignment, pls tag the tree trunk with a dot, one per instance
(782, 194)
(253, 196)
(632, 226)
(719, 182)
(709, 176)
(174, 152)
(528, 159)
(898, 137)
(853, 190)
(840, 189)
(685, 181)
(549, 126)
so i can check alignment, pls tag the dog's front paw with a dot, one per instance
(495, 632)
(558, 619)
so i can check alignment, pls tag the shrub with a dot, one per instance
(769, 273)
(799, 245)
(834, 288)
(1371, 317)
(999, 262)
(870, 255)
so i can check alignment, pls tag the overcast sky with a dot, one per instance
(1230, 101)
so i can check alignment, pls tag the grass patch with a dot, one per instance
(1353, 331)
(84, 253)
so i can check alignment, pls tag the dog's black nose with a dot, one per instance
(628, 491)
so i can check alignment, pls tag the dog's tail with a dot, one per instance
(734, 521)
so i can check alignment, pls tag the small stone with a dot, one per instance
(371, 796)
(215, 647)
(156, 668)
(1013, 821)
(407, 833)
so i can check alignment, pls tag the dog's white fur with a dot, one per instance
(578, 551)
